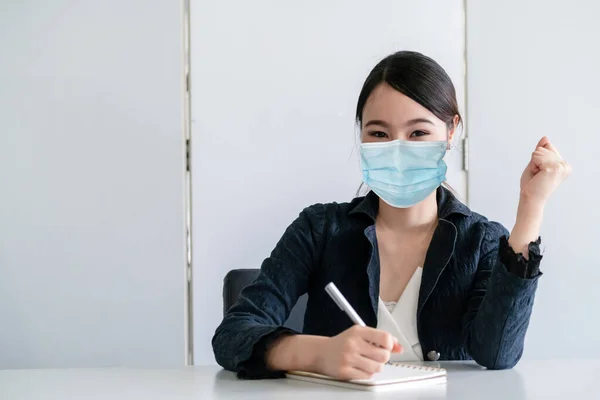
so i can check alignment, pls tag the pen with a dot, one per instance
(343, 304)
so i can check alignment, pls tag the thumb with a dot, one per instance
(397, 348)
(543, 141)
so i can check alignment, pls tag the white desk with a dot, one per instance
(533, 380)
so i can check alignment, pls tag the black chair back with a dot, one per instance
(237, 279)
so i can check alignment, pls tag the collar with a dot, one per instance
(448, 204)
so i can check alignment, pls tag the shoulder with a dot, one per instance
(491, 229)
(479, 228)
(469, 223)
(330, 219)
(327, 212)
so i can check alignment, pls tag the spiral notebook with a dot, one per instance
(393, 375)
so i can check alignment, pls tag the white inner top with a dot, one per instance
(400, 319)
(390, 305)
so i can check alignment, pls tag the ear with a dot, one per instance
(452, 131)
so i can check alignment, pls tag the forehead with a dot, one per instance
(388, 104)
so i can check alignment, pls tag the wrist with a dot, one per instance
(296, 352)
(530, 211)
(528, 224)
(315, 350)
(531, 203)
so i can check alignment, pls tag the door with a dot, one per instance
(92, 164)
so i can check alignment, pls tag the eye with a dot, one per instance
(418, 134)
(378, 134)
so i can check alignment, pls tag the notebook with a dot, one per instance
(393, 375)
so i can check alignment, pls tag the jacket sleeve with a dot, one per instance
(499, 306)
(256, 319)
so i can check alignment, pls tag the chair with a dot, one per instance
(237, 279)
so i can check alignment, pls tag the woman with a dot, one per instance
(432, 279)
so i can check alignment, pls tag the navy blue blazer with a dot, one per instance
(471, 306)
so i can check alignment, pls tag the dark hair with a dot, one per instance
(417, 77)
(421, 79)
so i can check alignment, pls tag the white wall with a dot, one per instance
(274, 89)
(533, 71)
(92, 250)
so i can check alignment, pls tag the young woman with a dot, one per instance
(432, 279)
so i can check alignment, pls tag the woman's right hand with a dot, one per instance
(357, 353)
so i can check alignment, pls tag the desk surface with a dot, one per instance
(566, 379)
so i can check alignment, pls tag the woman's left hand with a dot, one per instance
(544, 173)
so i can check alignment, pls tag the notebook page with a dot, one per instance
(401, 372)
(391, 373)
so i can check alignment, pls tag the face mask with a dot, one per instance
(403, 173)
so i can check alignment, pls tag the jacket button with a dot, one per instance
(433, 355)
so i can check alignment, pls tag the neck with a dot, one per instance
(419, 217)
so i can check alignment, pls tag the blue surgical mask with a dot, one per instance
(403, 173)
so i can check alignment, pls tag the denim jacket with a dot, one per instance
(471, 304)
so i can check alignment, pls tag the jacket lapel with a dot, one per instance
(373, 269)
(438, 256)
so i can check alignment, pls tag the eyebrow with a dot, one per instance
(408, 123)
(418, 120)
(376, 122)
